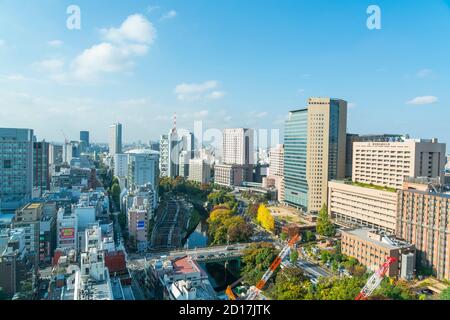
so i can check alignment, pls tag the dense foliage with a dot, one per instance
(265, 219)
(445, 294)
(324, 226)
(179, 185)
(256, 260)
(224, 226)
(290, 284)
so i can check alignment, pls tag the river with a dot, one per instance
(219, 277)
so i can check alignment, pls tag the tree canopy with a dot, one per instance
(265, 219)
(290, 284)
(256, 260)
(224, 226)
(324, 226)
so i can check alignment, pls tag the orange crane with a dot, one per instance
(375, 280)
(255, 291)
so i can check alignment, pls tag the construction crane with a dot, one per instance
(229, 292)
(375, 280)
(255, 291)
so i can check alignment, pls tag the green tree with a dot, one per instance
(393, 291)
(224, 226)
(324, 226)
(338, 288)
(309, 236)
(294, 256)
(290, 284)
(256, 260)
(115, 194)
(283, 236)
(445, 294)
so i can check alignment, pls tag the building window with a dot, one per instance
(7, 164)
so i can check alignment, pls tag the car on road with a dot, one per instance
(231, 248)
(201, 257)
(211, 256)
(222, 255)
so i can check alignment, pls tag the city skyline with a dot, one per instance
(140, 63)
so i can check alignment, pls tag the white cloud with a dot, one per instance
(116, 53)
(352, 105)
(50, 65)
(55, 43)
(301, 91)
(169, 15)
(2, 43)
(101, 58)
(216, 95)
(136, 28)
(424, 73)
(198, 91)
(423, 100)
(151, 9)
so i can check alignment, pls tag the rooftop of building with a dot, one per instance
(185, 265)
(33, 206)
(366, 185)
(370, 235)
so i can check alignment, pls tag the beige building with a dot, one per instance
(372, 249)
(276, 169)
(388, 163)
(228, 175)
(29, 218)
(326, 143)
(199, 171)
(237, 146)
(424, 220)
(356, 204)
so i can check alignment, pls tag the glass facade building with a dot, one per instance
(295, 156)
(16, 168)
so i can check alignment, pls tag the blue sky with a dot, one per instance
(228, 63)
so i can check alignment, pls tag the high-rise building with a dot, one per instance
(55, 154)
(121, 165)
(41, 166)
(84, 137)
(388, 163)
(315, 142)
(143, 169)
(183, 162)
(164, 155)
(424, 220)
(295, 156)
(351, 138)
(71, 149)
(175, 148)
(237, 146)
(276, 169)
(115, 139)
(16, 168)
(327, 133)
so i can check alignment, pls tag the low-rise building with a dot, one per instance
(372, 248)
(199, 171)
(362, 205)
(67, 231)
(180, 279)
(228, 175)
